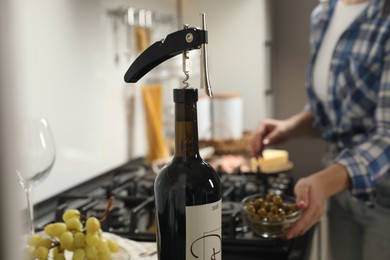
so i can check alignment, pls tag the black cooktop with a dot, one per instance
(132, 213)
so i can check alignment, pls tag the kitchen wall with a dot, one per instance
(291, 54)
(240, 61)
(71, 57)
(238, 55)
(70, 64)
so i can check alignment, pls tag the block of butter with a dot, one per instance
(273, 160)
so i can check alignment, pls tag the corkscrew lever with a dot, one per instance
(204, 67)
(174, 44)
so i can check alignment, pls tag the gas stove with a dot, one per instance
(132, 212)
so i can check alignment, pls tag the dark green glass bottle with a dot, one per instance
(188, 193)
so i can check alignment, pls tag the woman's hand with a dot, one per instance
(311, 193)
(270, 132)
(311, 199)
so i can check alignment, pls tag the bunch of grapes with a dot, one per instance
(82, 237)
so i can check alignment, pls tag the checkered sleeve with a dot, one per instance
(369, 161)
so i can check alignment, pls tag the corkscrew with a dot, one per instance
(179, 42)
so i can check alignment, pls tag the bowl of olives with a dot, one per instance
(270, 215)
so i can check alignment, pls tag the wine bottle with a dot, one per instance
(188, 193)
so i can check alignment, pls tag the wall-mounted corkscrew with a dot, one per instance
(179, 42)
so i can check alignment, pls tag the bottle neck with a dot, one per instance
(186, 130)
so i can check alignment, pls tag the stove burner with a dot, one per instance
(132, 213)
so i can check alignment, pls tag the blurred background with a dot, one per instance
(65, 60)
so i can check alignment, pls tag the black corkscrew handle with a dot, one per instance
(174, 44)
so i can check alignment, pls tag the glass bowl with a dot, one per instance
(270, 215)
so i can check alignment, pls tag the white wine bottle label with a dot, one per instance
(203, 231)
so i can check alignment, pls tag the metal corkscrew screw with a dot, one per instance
(179, 42)
(186, 60)
(186, 71)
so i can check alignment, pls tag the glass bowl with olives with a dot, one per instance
(270, 215)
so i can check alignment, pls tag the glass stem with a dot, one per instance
(30, 213)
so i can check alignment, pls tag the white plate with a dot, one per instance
(136, 250)
(123, 253)
(129, 249)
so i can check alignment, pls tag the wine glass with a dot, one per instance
(35, 158)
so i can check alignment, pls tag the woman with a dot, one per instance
(348, 85)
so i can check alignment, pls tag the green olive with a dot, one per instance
(286, 207)
(281, 212)
(271, 209)
(269, 197)
(258, 203)
(294, 208)
(250, 208)
(275, 218)
(270, 214)
(267, 205)
(262, 212)
(274, 209)
(277, 200)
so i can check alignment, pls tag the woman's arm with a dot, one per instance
(301, 124)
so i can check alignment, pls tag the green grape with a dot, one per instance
(55, 229)
(79, 254)
(72, 213)
(60, 256)
(79, 240)
(33, 240)
(74, 224)
(92, 225)
(92, 239)
(102, 246)
(55, 251)
(104, 256)
(91, 252)
(66, 240)
(41, 253)
(45, 243)
(85, 244)
(113, 246)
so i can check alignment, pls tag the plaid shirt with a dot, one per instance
(357, 118)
